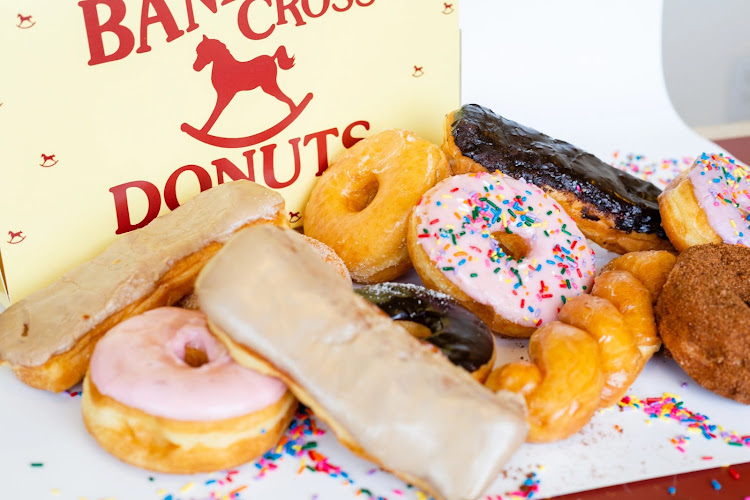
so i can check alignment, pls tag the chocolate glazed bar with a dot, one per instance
(614, 209)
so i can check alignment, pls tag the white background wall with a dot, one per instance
(706, 53)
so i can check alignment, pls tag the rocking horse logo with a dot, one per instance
(230, 76)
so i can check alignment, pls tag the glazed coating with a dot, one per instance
(589, 358)
(457, 332)
(704, 319)
(599, 196)
(360, 205)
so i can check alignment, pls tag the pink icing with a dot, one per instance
(140, 363)
(722, 188)
(458, 217)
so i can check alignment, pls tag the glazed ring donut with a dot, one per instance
(707, 203)
(704, 320)
(447, 325)
(502, 248)
(612, 208)
(48, 337)
(360, 205)
(567, 380)
(163, 394)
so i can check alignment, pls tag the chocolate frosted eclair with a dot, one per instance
(612, 208)
(281, 310)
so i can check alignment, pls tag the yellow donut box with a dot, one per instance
(115, 111)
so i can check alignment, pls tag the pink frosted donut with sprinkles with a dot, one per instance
(709, 203)
(502, 248)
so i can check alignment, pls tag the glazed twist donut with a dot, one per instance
(589, 357)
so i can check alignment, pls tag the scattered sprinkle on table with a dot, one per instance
(659, 172)
(669, 407)
(37, 464)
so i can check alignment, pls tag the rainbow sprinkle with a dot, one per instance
(469, 225)
(669, 407)
(659, 172)
(297, 444)
(722, 189)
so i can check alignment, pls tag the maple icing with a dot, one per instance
(402, 402)
(52, 320)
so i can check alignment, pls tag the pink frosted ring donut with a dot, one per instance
(502, 248)
(163, 394)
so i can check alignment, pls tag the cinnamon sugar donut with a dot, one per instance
(360, 205)
(708, 203)
(163, 394)
(704, 319)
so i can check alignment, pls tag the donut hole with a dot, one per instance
(513, 245)
(417, 330)
(195, 356)
(361, 193)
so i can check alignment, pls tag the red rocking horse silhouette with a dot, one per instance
(447, 8)
(48, 158)
(25, 22)
(230, 76)
(13, 236)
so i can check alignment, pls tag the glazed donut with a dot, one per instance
(708, 203)
(704, 320)
(384, 394)
(651, 268)
(502, 248)
(446, 324)
(163, 394)
(360, 205)
(612, 208)
(48, 336)
(569, 377)
(562, 382)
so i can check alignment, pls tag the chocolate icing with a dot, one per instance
(456, 331)
(497, 143)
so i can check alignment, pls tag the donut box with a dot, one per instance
(114, 111)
